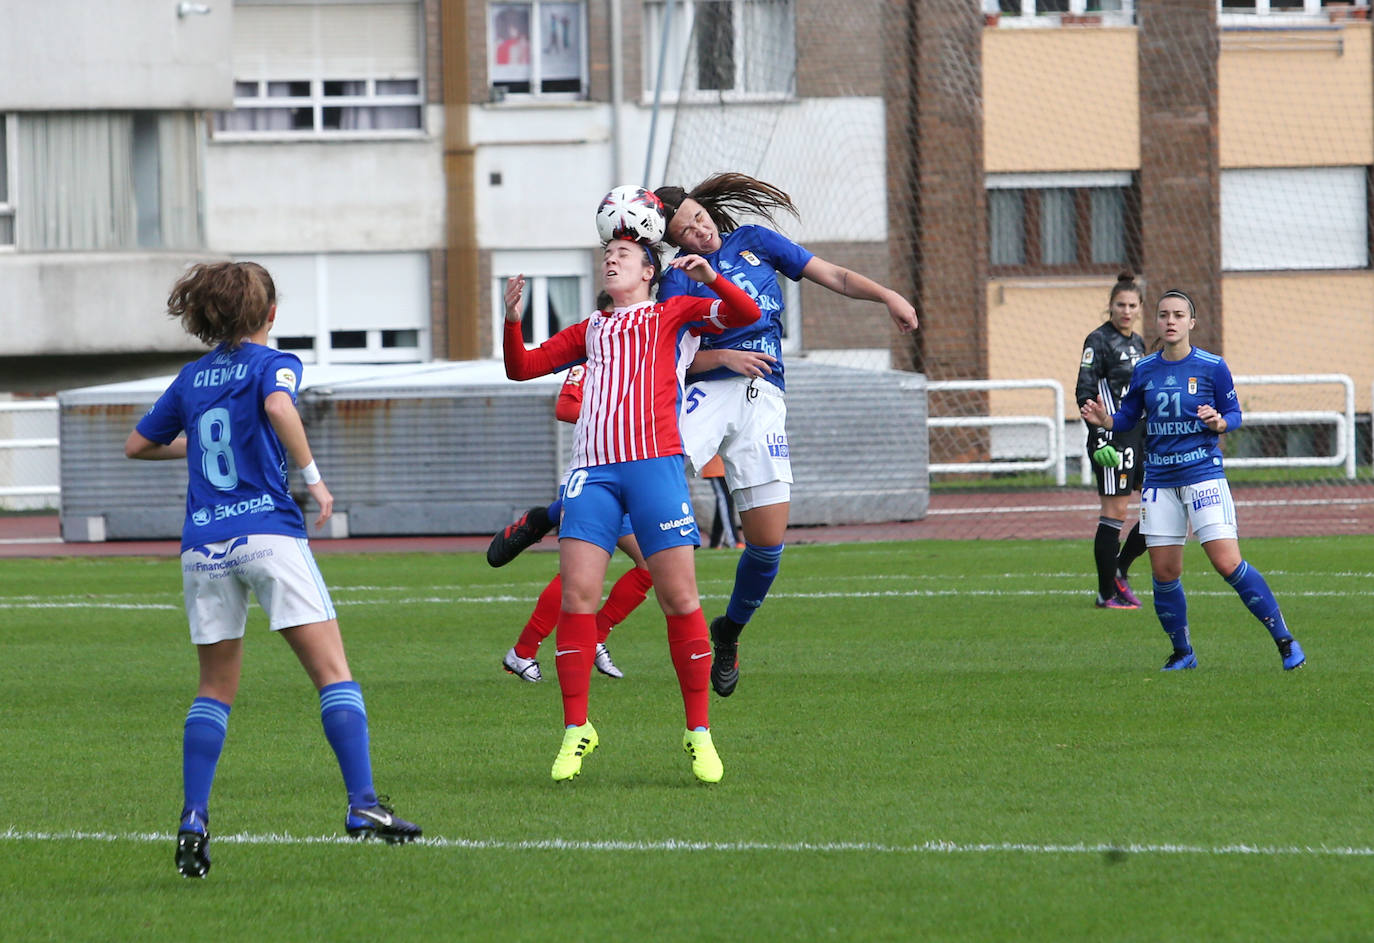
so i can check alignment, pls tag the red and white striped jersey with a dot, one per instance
(632, 387)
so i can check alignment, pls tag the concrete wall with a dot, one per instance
(324, 196)
(1057, 100)
(1082, 113)
(1315, 87)
(1300, 322)
(76, 55)
(90, 303)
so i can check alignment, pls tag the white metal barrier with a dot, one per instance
(1344, 421)
(16, 444)
(1343, 453)
(1054, 427)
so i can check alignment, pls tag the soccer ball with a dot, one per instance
(631, 212)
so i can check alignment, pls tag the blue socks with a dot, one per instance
(1255, 593)
(202, 740)
(1171, 606)
(757, 568)
(345, 727)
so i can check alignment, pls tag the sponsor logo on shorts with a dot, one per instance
(1205, 498)
(217, 567)
(777, 444)
(687, 521)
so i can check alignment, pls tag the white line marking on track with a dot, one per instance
(672, 845)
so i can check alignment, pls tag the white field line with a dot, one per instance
(1064, 508)
(676, 845)
(519, 591)
(486, 600)
(100, 603)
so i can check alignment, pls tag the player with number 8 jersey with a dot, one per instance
(245, 535)
(236, 481)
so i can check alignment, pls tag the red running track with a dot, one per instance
(1267, 511)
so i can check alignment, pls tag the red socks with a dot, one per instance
(542, 619)
(627, 593)
(625, 596)
(574, 651)
(690, 647)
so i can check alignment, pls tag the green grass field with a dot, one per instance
(935, 741)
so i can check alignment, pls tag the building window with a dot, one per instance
(354, 307)
(558, 292)
(1061, 223)
(1325, 9)
(6, 182)
(101, 181)
(1052, 12)
(321, 69)
(537, 49)
(1294, 218)
(721, 48)
(323, 106)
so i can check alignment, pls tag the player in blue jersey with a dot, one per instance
(232, 416)
(1186, 399)
(737, 409)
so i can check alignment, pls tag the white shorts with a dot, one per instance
(744, 421)
(1166, 513)
(280, 571)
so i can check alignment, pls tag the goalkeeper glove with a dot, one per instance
(1107, 457)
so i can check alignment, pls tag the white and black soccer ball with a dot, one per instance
(631, 212)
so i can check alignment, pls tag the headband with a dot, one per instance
(1176, 293)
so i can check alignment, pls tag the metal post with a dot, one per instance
(658, 87)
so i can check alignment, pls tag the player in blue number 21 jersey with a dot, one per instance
(1186, 399)
(244, 533)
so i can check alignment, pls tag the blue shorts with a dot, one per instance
(653, 492)
(626, 528)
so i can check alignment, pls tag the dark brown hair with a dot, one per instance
(725, 196)
(222, 302)
(1125, 282)
(1179, 293)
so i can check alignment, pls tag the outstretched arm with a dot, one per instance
(853, 285)
(562, 350)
